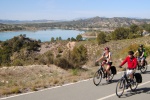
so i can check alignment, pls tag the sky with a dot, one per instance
(72, 9)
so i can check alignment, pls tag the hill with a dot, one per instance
(95, 23)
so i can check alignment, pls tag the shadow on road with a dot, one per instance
(138, 91)
(113, 81)
(147, 72)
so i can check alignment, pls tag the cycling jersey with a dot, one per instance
(107, 56)
(132, 62)
(140, 51)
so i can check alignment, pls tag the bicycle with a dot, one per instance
(142, 68)
(125, 82)
(100, 73)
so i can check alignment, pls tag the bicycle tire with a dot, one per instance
(97, 78)
(143, 69)
(134, 85)
(120, 85)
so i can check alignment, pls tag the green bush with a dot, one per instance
(78, 56)
(101, 38)
(63, 63)
(17, 62)
(79, 38)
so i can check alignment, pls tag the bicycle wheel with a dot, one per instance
(97, 78)
(133, 85)
(144, 68)
(120, 87)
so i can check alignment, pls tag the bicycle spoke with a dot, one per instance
(120, 87)
(144, 68)
(133, 85)
(97, 78)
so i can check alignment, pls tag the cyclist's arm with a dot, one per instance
(99, 58)
(124, 62)
(142, 54)
(135, 53)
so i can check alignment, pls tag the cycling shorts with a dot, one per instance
(130, 71)
(141, 59)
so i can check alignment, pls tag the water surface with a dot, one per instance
(43, 35)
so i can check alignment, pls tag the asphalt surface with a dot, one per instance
(86, 90)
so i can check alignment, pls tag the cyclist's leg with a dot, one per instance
(108, 69)
(104, 69)
(142, 61)
(130, 73)
(139, 62)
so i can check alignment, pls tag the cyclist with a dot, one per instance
(107, 61)
(142, 54)
(132, 64)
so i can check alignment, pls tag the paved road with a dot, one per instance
(86, 90)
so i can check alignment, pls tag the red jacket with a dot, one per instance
(132, 63)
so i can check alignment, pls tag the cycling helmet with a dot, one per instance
(141, 45)
(130, 52)
(106, 48)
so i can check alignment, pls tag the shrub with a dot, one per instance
(79, 38)
(50, 57)
(63, 63)
(79, 56)
(101, 38)
(17, 62)
(75, 71)
(60, 50)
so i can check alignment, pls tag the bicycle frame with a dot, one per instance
(125, 77)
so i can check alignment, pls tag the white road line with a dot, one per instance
(45, 89)
(124, 91)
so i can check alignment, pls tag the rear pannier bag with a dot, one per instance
(113, 70)
(138, 77)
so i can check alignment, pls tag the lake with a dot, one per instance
(43, 35)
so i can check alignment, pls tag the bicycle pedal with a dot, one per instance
(127, 87)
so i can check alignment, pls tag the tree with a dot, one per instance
(68, 39)
(79, 38)
(101, 38)
(57, 39)
(73, 39)
(60, 38)
(52, 39)
(134, 28)
(120, 33)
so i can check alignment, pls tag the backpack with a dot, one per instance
(113, 70)
(138, 77)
